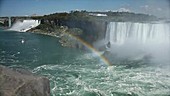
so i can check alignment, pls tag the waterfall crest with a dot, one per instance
(119, 33)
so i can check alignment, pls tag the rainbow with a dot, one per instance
(94, 50)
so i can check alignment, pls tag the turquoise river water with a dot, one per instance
(73, 72)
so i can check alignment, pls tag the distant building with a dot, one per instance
(97, 14)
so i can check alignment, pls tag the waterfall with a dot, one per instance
(25, 25)
(119, 33)
(9, 22)
(132, 39)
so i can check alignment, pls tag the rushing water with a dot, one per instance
(25, 25)
(76, 73)
(129, 39)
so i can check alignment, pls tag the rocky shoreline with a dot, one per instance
(66, 36)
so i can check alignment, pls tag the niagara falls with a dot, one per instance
(84, 48)
(135, 39)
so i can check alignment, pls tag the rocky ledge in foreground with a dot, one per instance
(22, 83)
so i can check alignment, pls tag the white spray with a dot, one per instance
(25, 25)
(129, 39)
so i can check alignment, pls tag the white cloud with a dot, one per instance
(146, 7)
(159, 9)
(123, 10)
(156, 10)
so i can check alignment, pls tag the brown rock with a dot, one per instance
(20, 83)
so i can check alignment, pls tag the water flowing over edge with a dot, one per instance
(25, 25)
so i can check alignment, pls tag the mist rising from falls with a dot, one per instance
(25, 25)
(133, 40)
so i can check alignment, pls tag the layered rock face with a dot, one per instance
(22, 83)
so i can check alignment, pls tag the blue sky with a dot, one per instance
(42, 7)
